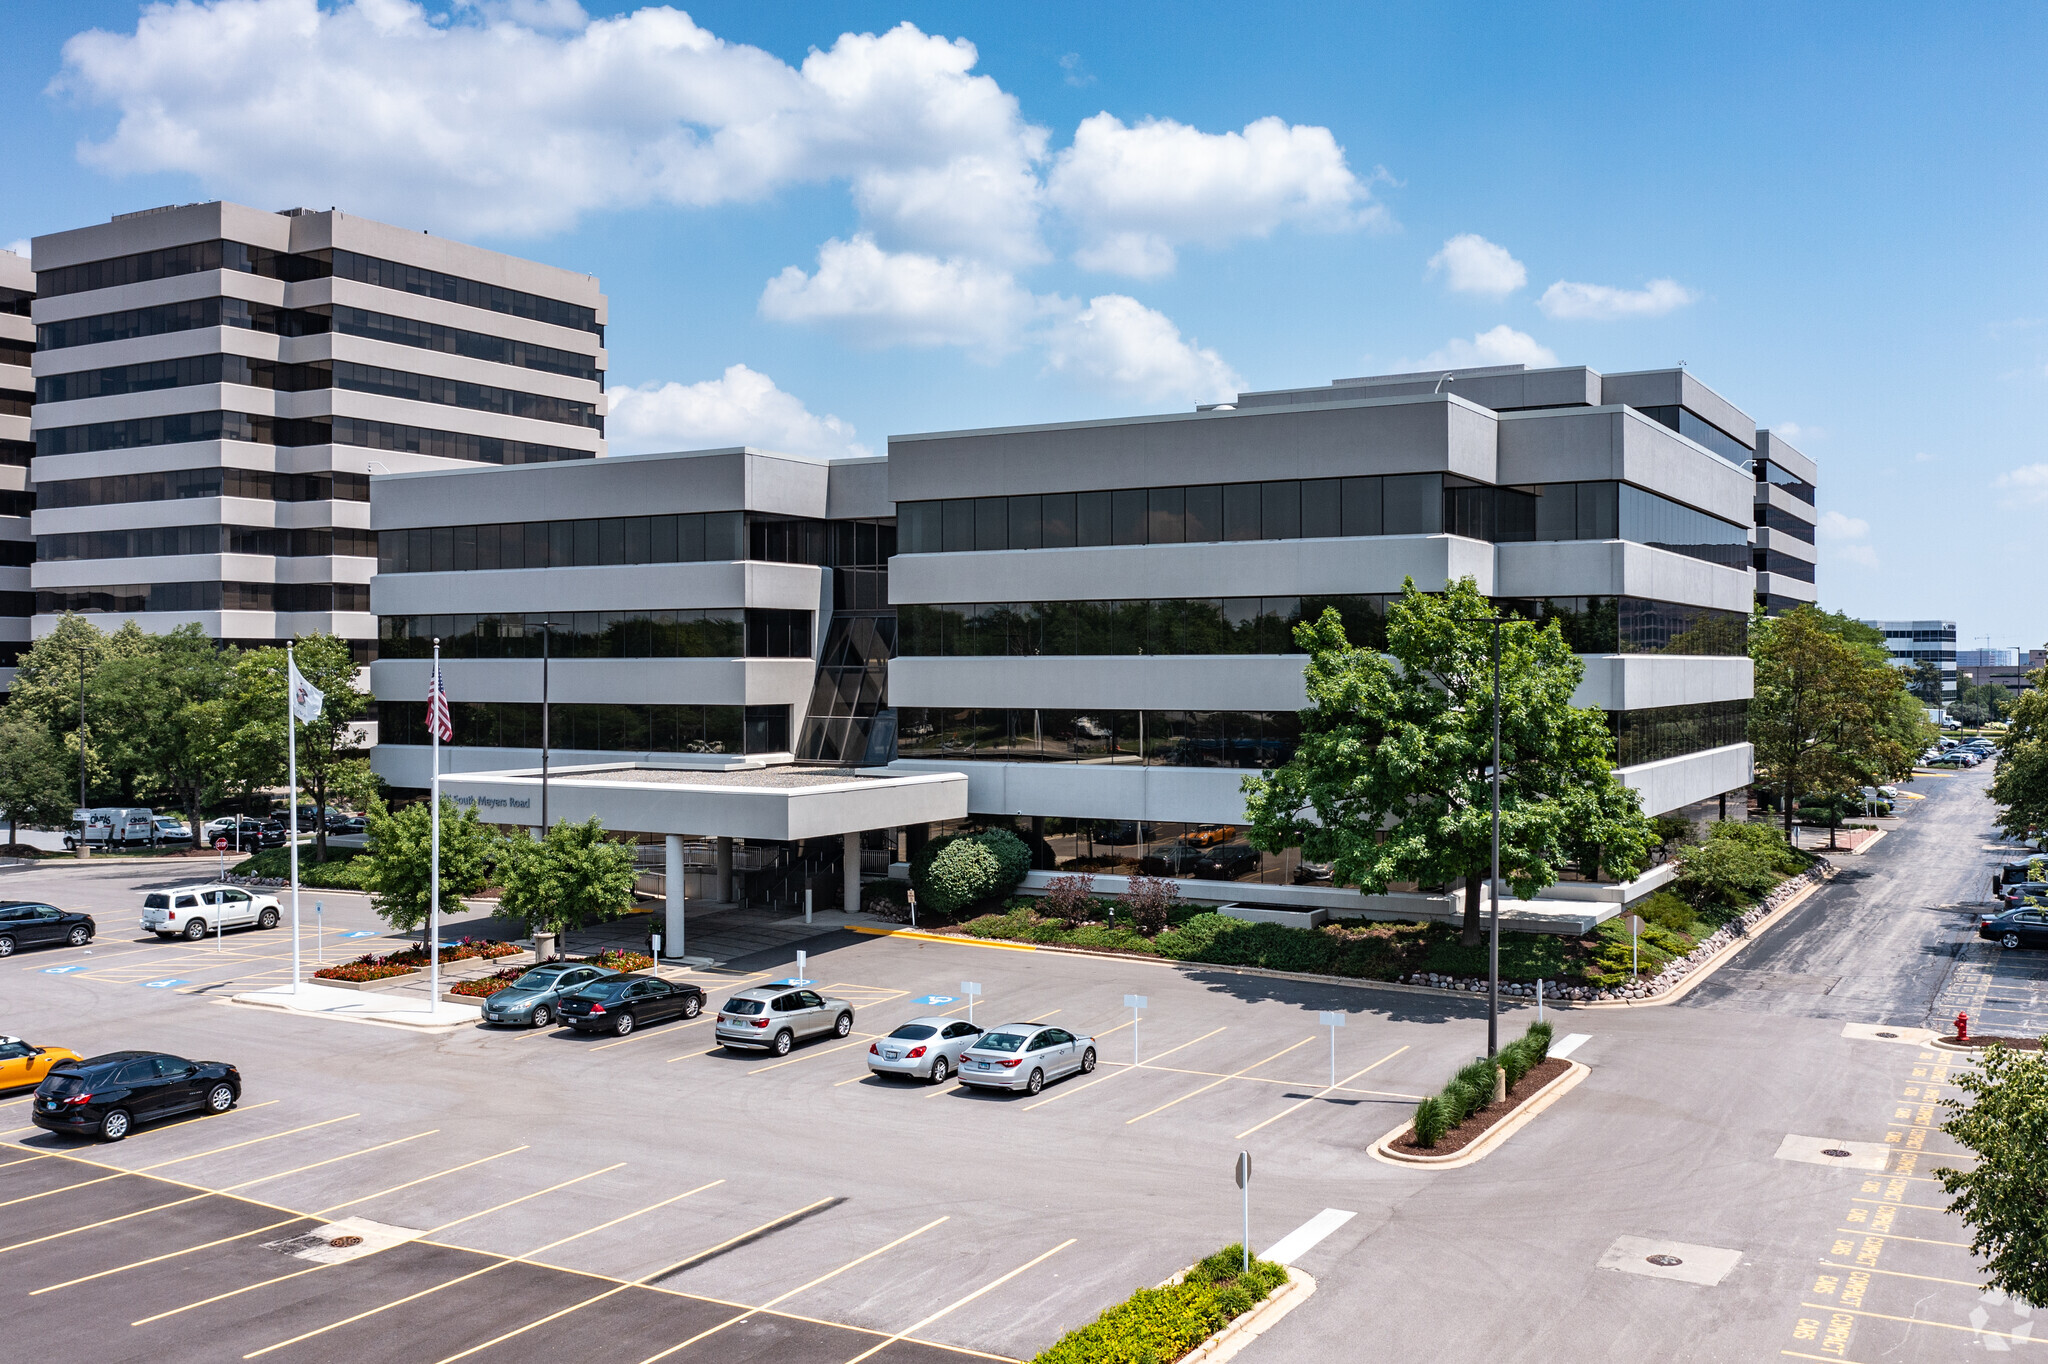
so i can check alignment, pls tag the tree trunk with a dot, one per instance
(1473, 932)
(1789, 838)
(320, 817)
(192, 815)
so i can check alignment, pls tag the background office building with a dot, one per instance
(1914, 642)
(2008, 668)
(215, 384)
(17, 448)
(1783, 541)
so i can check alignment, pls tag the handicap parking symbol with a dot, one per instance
(792, 981)
(62, 970)
(163, 984)
(937, 999)
(359, 933)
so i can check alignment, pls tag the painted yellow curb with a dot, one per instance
(942, 937)
(1720, 959)
(1501, 1131)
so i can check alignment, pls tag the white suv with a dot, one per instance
(195, 911)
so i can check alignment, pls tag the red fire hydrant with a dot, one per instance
(1962, 1027)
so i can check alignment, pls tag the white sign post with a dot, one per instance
(319, 933)
(912, 896)
(1244, 1182)
(1135, 1003)
(801, 978)
(1635, 926)
(1332, 1021)
(970, 988)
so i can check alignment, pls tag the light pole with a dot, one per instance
(547, 634)
(81, 746)
(1493, 888)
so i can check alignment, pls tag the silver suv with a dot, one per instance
(778, 1017)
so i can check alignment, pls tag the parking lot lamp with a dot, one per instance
(547, 631)
(81, 740)
(1493, 927)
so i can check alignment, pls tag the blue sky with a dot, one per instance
(1833, 216)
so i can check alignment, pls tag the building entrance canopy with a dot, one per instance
(782, 803)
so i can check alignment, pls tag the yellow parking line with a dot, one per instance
(773, 1302)
(637, 1034)
(1917, 1240)
(1902, 1274)
(962, 1302)
(1122, 1069)
(1889, 1203)
(1921, 1321)
(1325, 1094)
(475, 1273)
(265, 1283)
(1213, 1083)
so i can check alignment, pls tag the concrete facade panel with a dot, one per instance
(1619, 568)
(1238, 682)
(624, 681)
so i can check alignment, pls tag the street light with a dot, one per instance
(81, 736)
(1493, 888)
(547, 634)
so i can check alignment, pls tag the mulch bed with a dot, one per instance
(2011, 1043)
(1480, 1123)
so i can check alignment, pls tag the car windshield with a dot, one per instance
(540, 978)
(157, 900)
(1001, 1041)
(914, 1032)
(606, 989)
(742, 1006)
(64, 1082)
(10, 1050)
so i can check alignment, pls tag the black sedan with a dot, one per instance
(30, 923)
(2023, 927)
(1227, 862)
(622, 1003)
(105, 1096)
(2019, 892)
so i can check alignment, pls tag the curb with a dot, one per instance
(951, 938)
(1721, 958)
(1495, 1136)
(233, 1001)
(1943, 1044)
(1226, 1343)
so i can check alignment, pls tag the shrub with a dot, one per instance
(1538, 1037)
(1013, 856)
(344, 869)
(369, 968)
(1787, 859)
(1516, 1059)
(1673, 829)
(1612, 960)
(959, 870)
(1151, 902)
(1161, 1324)
(1471, 1089)
(1070, 898)
(1430, 1124)
(1667, 911)
(887, 899)
(1724, 876)
(483, 987)
(619, 960)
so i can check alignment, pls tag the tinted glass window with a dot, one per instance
(1092, 519)
(608, 989)
(742, 1006)
(914, 1032)
(135, 1073)
(1204, 515)
(12, 1050)
(1001, 1041)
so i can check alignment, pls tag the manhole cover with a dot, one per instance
(1664, 1261)
(1833, 1151)
(1887, 1034)
(344, 1242)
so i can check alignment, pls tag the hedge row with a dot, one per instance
(344, 868)
(1155, 1325)
(1471, 1089)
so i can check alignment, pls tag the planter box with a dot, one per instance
(1293, 918)
(384, 984)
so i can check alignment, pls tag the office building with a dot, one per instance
(1914, 642)
(1784, 552)
(17, 448)
(1986, 658)
(2008, 668)
(215, 384)
(1085, 628)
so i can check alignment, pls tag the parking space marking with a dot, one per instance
(734, 1242)
(1326, 1092)
(1888, 1236)
(1922, 1321)
(777, 1301)
(179, 1160)
(858, 1037)
(1121, 1069)
(1900, 1274)
(1213, 1083)
(962, 1302)
(636, 1034)
(500, 1263)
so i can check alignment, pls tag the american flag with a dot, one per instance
(437, 710)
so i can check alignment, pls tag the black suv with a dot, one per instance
(30, 923)
(2011, 874)
(105, 1096)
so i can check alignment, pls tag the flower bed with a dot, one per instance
(368, 968)
(483, 987)
(1166, 1323)
(621, 961)
(467, 949)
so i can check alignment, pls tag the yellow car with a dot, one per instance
(22, 1064)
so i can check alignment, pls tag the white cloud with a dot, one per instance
(2029, 482)
(1922, 457)
(19, 246)
(538, 14)
(1842, 539)
(1794, 431)
(1471, 264)
(1136, 192)
(741, 407)
(1117, 342)
(1599, 303)
(1076, 69)
(882, 298)
(1501, 346)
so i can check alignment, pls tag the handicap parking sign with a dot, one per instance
(362, 933)
(163, 984)
(61, 970)
(937, 999)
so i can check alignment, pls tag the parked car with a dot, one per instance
(105, 1096)
(256, 833)
(534, 999)
(2025, 927)
(30, 923)
(171, 829)
(112, 827)
(1308, 873)
(2011, 873)
(194, 911)
(923, 1048)
(622, 1003)
(1952, 758)
(776, 1018)
(22, 1064)
(1227, 862)
(1025, 1056)
(2017, 894)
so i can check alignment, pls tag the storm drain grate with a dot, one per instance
(344, 1242)
(1835, 1151)
(293, 1245)
(1666, 1261)
(1887, 1034)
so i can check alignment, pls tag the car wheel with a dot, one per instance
(220, 1098)
(195, 930)
(1088, 1061)
(624, 1025)
(843, 1026)
(115, 1125)
(784, 1040)
(540, 1015)
(692, 1007)
(2009, 940)
(267, 919)
(939, 1071)
(6, 946)
(79, 937)
(1036, 1082)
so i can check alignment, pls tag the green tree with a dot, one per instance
(2020, 785)
(400, 879)
(1926, 683)
(2005, 1198)
(1390, 779)
(46, 686)
(1826, 714)
(164, 715)
(567, 877)
(35, 777)
(331, 749)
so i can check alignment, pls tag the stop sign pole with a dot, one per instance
(1244, 1182)
(220, 845)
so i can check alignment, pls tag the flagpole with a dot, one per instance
(291, 746)
(434, 857)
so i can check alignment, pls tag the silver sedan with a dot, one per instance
(1025, 1056)
(923, 1048)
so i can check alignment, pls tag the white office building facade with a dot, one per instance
(215, 385)
(17, 451)
(1915, 642)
